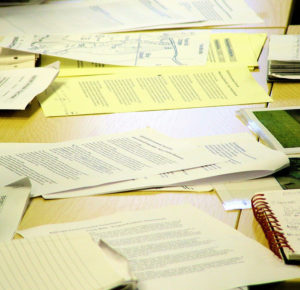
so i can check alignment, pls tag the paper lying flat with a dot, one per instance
(236, 48)
(226, 12)
(14, 199)
(167, 48)
(19, 86)
(93, 16)
(181, 247)
(61, 261)
(153, 89)
(56, 167)
(246, 159)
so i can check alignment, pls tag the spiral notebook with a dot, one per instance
(278, 213)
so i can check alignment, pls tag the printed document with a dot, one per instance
(166, 48)
(19, 86)
(14, 199)
(55, 167)
(153, 89)
(181, 247)
(239, 48)
(225, 12)
(63, 261)
(93, 16)
(246, 159)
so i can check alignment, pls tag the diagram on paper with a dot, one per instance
(132, 49)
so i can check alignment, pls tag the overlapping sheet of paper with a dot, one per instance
(166, 48)
(14, 199)
(114, 15)
(19, 86)
(181, 247)
(94, 161)
(245, 159)
(93, 16)
(62, 261)
(135, 160)
(153, 89)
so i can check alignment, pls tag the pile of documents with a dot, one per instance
(284, 58)
(99, 62)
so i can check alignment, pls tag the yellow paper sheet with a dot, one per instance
(153, 89)
(235, 48)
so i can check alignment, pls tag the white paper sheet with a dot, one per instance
(89, 162)
(63, 261)
(246, 159)
(92, 16)
(13, 202)
(19, 86)
(284, 47)
(225, 12)
(168, 48)
(181, 247)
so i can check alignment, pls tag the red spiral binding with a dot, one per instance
(270, 224)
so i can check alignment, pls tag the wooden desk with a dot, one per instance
(275, 13)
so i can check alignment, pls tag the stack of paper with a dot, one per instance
(284, 58)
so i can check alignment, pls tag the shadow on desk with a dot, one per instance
(292, 285)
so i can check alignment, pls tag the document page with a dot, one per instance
(166, 48)
(92, 16)
(19, 86)
(245, 159)
(153, 89)
(88, 162)
(181, 247)
(61, 261)
(14, 199)
(240, 48)
(225, 12)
